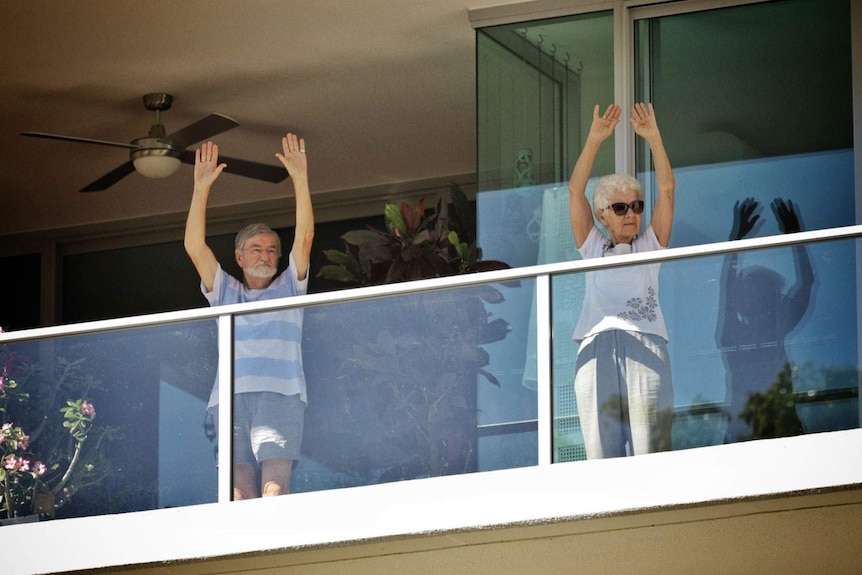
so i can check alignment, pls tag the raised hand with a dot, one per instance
(603, 126)
(744, 218)
(293, 158)
(207, 168)
(785, 213)
(643, 121)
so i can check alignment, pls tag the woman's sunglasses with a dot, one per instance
(621, 208)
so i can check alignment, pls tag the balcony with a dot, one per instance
(501, 485)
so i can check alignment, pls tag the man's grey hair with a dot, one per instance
(608, 185)
(252, 230)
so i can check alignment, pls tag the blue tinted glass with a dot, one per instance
(415, 386)
(117, 418)
(761, 344)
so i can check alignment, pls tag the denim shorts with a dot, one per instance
(266, 425)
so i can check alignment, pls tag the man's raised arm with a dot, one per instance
(207, 170)
(295, 161)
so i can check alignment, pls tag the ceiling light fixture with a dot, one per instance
(154, 158)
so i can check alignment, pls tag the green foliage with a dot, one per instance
(418, 243)
(416, 366)
(402, 383)
(773, 412)
(78, 416)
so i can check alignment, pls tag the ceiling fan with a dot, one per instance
(158, 155)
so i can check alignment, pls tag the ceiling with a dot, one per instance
(382, 91)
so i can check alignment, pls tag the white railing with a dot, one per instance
(499, 276)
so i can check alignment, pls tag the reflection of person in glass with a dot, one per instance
(622, 379)
(756, 316)
(269, 383)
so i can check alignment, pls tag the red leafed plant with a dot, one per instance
(417, 244)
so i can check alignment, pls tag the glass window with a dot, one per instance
(537, 84)
(755, 107)
(753, 101)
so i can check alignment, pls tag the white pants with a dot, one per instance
(624, 393)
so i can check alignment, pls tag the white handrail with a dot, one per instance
(450, 282)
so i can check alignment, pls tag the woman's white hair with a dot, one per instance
(608, 185)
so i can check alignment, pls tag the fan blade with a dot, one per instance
(79, 140)
(201, 130)
(246, 168)
(110, 178)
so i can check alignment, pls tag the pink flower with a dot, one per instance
(88, 410)
(40, 468)
(2, 384)
(23, 442)
(5, 433)
(10, 463)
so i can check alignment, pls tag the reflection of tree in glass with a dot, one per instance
(833, 390)
(618, 419)
(756, 315)
(698, 424)
(773, 412)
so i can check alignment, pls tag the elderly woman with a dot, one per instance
(622, 378)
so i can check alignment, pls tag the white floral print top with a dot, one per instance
(621, 298)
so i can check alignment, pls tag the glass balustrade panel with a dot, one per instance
(115, 421)
(761, 344)
(411, 386)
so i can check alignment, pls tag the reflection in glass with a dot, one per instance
(799, 376)
(787, 337)
(723, 148)
(756, 314)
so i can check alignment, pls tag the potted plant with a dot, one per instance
(396, 398)
(416, 244)
(50, 448)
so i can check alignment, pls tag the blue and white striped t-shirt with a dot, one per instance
(267, 346)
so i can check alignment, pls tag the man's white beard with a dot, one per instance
(261, 271)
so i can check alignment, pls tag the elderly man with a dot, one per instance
(269, 383)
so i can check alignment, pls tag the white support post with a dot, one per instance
(225, 412)
(543, 369)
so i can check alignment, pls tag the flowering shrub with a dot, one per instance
(31, 484)
(19, 470)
